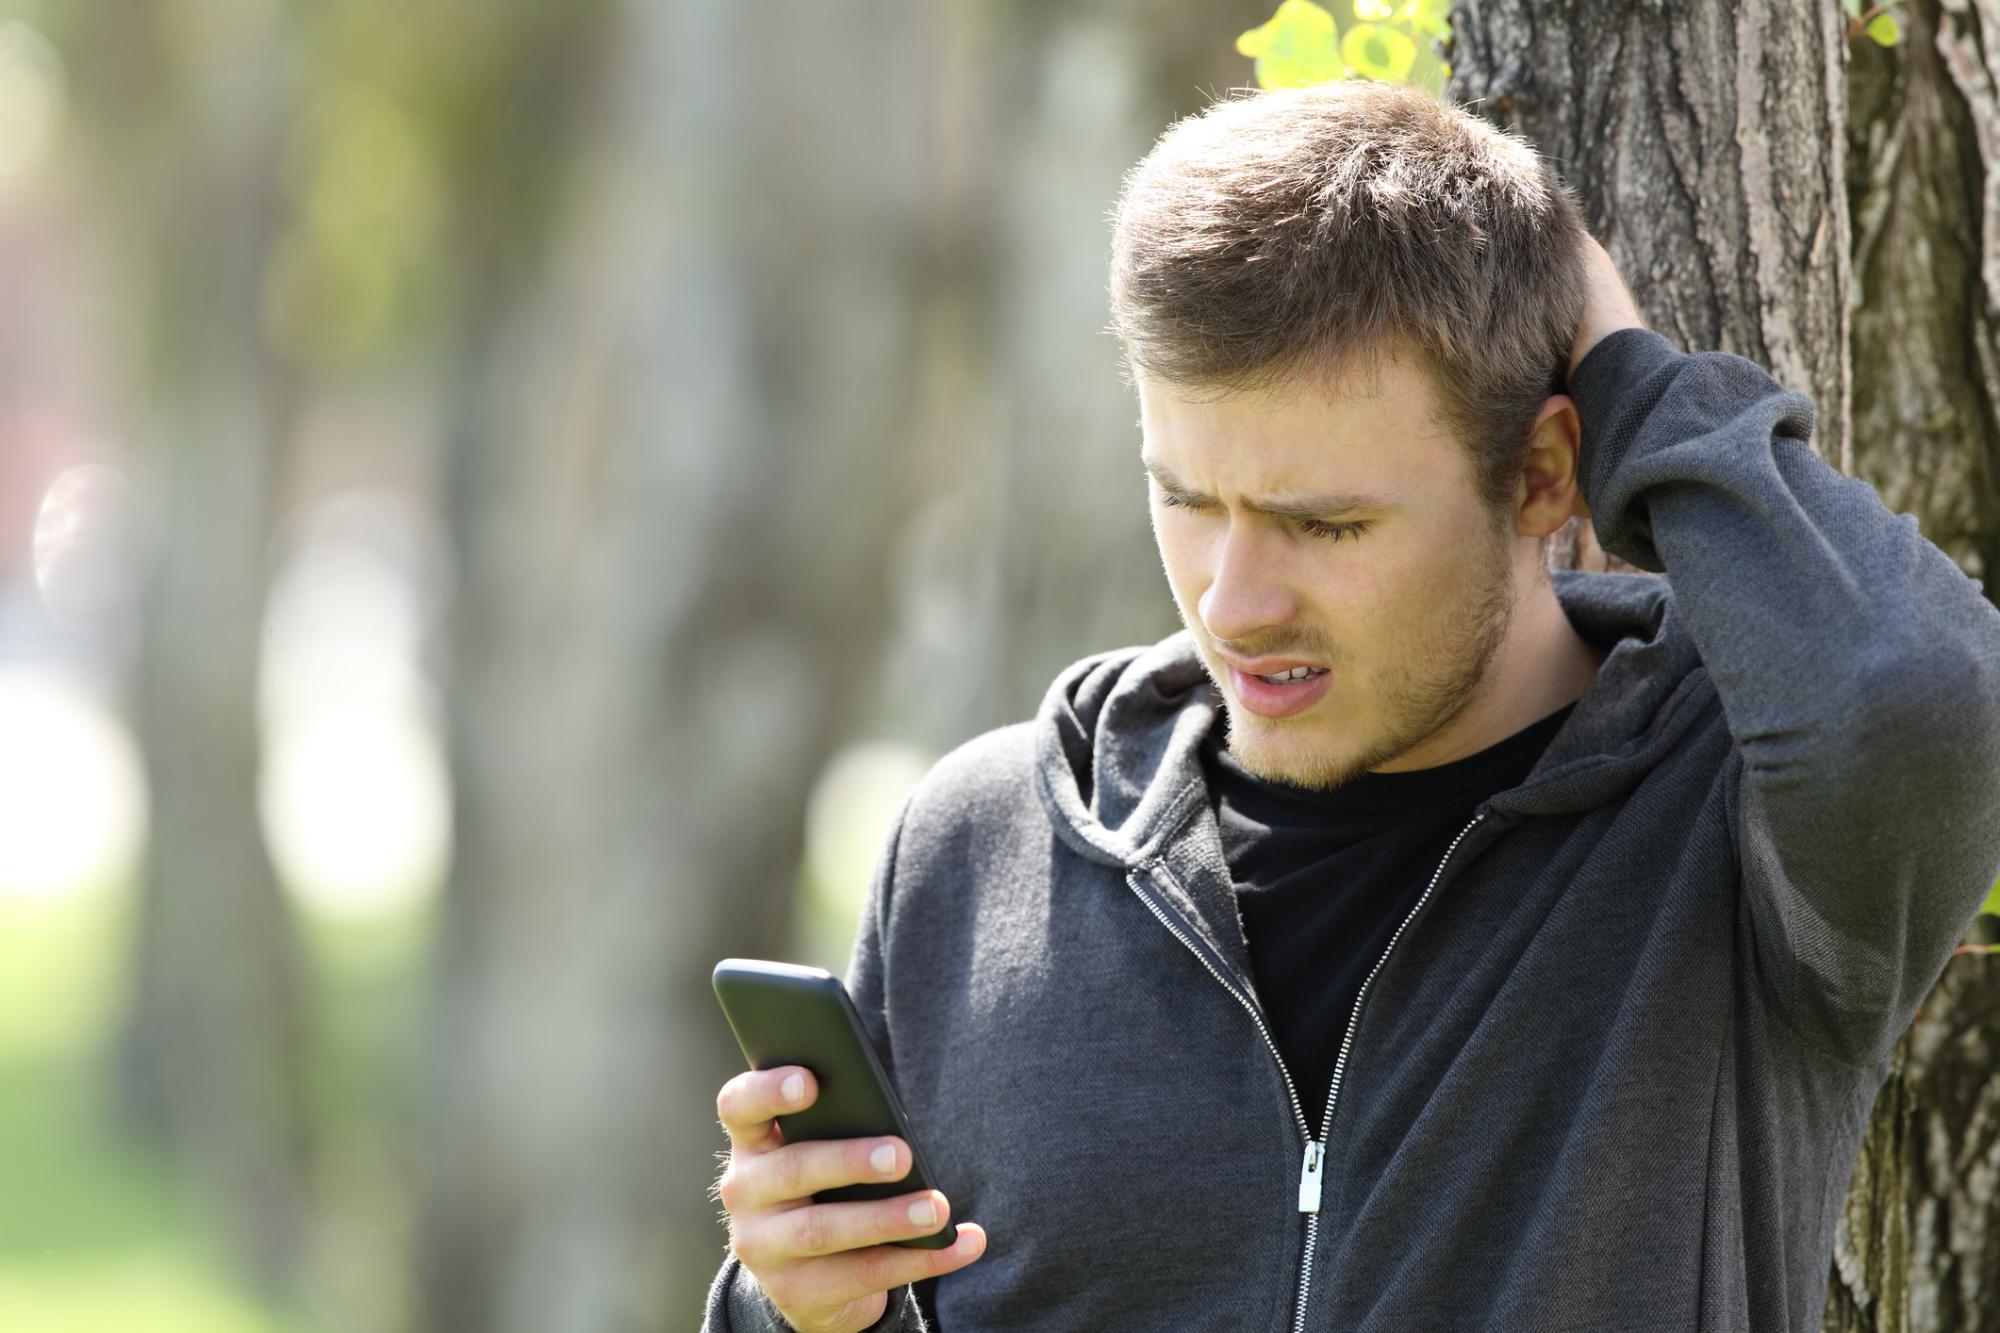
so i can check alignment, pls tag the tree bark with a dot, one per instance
(1920, 1240)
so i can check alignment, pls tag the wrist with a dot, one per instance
(1588, 338)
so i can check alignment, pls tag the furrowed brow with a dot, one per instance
(1329, 505)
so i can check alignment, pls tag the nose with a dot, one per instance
(1249, 592)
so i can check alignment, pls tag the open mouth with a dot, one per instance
(1283, 693)
(1293, 676)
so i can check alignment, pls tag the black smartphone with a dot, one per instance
(785, 1014)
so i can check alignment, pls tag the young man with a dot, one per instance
(1416, 940)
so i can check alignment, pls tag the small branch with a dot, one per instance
(1855, 25)
(1976, 948)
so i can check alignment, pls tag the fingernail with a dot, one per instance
(795, 1087)
(967, 1242)
(883, 1159)
(923, 1213)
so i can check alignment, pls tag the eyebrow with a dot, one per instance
(1305, 506)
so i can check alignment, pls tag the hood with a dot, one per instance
(1117, 736)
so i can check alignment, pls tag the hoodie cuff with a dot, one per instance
(1614, 388)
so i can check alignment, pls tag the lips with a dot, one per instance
(1273, 700)
(1270, 666)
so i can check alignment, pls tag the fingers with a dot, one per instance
(815, 1288)
(749, 1102)
(775, 1238)
(823, 1265)
(796, 1171)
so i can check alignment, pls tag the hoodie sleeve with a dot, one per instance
(736, 1304)
(1857, 664)
(865, 982)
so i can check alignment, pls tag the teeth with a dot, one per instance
(1296, 673)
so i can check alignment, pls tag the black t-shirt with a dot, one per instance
(1324, 878)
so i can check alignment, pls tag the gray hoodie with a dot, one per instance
(1612, 1070)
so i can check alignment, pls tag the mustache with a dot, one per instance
(1303, 652)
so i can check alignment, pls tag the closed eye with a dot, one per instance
(1310, 526)
(1333, 531)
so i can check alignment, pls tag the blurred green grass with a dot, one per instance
(94, 1233)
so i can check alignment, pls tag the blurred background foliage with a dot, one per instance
(498, 503)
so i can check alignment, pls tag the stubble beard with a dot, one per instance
(1421, 699)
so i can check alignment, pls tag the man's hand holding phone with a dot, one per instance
(826, 1266)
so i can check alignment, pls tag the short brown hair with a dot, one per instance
(1309, 230)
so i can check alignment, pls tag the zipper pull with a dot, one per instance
(1309, 1178)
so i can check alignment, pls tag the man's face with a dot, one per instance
(1398, 602)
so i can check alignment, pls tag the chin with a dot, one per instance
(1278, 751)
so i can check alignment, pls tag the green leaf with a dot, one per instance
(1853, 8)
(1295, 47)
(1993, 900)
(1429, 17)
(1883, 29)
(1378, 52)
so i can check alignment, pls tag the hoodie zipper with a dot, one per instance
(1311, 1175)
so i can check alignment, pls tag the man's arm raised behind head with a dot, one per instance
(1858, 666)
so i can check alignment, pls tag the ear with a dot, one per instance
(1546, 493)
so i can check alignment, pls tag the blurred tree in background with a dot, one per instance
(213, 1052)
(570, 468)
(745, 370)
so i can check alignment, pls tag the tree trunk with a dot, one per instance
(676, 465)
(1922, 1250)
(1023, 560)
(1720, 151)
(211, 1061)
